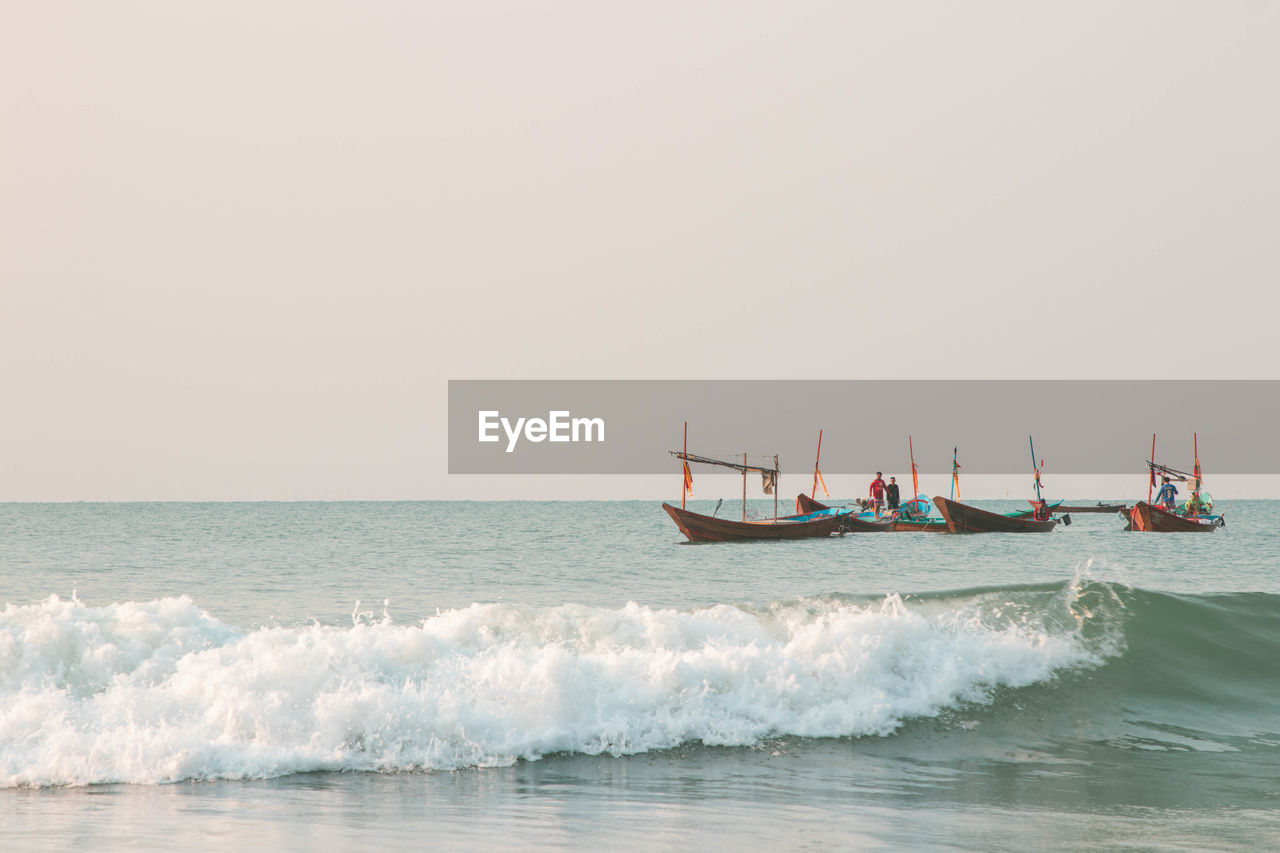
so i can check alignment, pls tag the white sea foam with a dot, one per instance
(160, 691)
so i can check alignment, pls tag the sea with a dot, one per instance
(553, 675)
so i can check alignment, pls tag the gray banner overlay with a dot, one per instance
(1079, 426)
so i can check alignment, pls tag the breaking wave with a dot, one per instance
(161, 691)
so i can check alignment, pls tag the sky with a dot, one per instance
(244, 245)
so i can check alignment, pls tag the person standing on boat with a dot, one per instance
(1168, 495)
(891, 495)
(876, 492)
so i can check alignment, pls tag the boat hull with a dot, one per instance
(1152, 519)
(854, 524)
(962, 518)
(706, 528)
(806, 504)
(926, 525)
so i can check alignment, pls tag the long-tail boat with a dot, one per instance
(708, 528)
(1153, 519)
(1197, 513)
(962, 518)
(1109, 509)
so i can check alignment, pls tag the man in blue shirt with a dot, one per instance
(1168, 495)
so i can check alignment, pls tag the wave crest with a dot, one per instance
(161, 691)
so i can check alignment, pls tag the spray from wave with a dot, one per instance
(160, 691)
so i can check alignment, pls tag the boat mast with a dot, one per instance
(776, 484)
(1195, 445)
(1034, 468)
(1151, 470)
(915, 478)
(684, 467)
(813, 492)
(955, 473)
(744, 487)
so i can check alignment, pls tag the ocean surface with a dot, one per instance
(555, 675)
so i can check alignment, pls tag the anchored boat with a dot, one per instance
(962, 518)
(1195, 516)
(709, 528)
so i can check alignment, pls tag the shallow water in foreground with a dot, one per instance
(561, 674)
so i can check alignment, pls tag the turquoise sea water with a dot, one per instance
(571, 674)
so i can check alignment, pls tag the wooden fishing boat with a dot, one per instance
(1154, 519)
(706, 528)
(962, 518)
(1196, 517)
(709, 528)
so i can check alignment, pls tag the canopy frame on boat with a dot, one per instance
(769, 475)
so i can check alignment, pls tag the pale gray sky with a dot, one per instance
(244, 245)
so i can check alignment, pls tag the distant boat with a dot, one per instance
(1098, 507)
(1197, 513)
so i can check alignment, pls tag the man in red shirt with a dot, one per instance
(877, 492)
